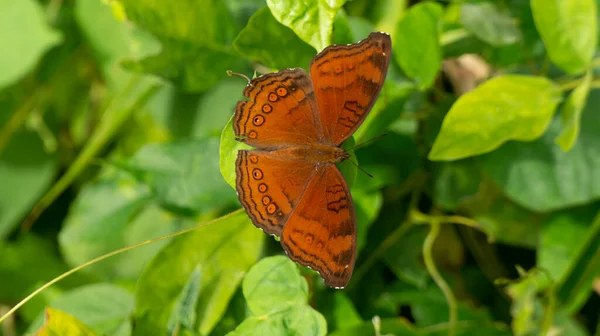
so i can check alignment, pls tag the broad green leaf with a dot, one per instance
(104, 308)
(112, 40)
(541, 177)
(405, 259)
(311, 20)
(190, 67)
(511, 107)
(26, 170)
(183, 314)
(338, 310)
(387, 326)
(342, 30)
(456, 182)
(25, 38)
(488, 23)
(571, 114)
(367, 205)
(575, 286)
(277, 297)
(60, 323)
(196, 46)
(196, 22)
(222, 252)
(110, 214)
(184, 175)
(559, 236)
(28, 262)
(273, 44)
(569, 30)
(416, 44)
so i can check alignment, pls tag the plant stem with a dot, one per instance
(436, 276)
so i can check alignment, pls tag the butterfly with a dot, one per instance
(289, 184)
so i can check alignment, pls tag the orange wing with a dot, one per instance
(269, 187)
(347, 80)
(321, 232)
(281, 111)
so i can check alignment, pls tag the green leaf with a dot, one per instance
(184, 175)
(273, 44)
(416, 43)
(25, 38)
(561, 232)
(569, 30)
(511, 107)
(104, 308)
(60, 323)
(228, 150)
(27, 170)
(112, 40)
(277, 297)
(541, 177)
(575, 287)
(110, 214)
(488, 23)
(196, 47)
(222, 251)
(184, 310)
(311, 20)
(29, 261)
(571, 114)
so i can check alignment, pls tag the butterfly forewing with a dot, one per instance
(347, 80)
(281, 111)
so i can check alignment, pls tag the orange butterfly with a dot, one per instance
(290, 186)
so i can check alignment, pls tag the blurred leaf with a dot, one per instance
(104, 308)
(571, 114)
(277, 297)
(183, 314)
(569, 30)
(60, 323)
(456, 182)
(222, 251)
(342, 30)
(125, 40)
(311, 20)
(388, 326)
(26, 38)
(110, 214)
(575, 286)
(26, 170)
(561, 232)
(338, 310)
(504, 108)
(367, 205)
(27, 263)
(273, 44)
(541, 177)
(416, 44)
(184, 175)
(491, 25)
(196, 47)
(405, 259)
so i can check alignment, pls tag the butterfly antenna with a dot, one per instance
(362, 170)
(368, 141)
(231, 73)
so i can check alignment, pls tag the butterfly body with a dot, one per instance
(289, 185)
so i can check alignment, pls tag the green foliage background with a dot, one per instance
(481, 219)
